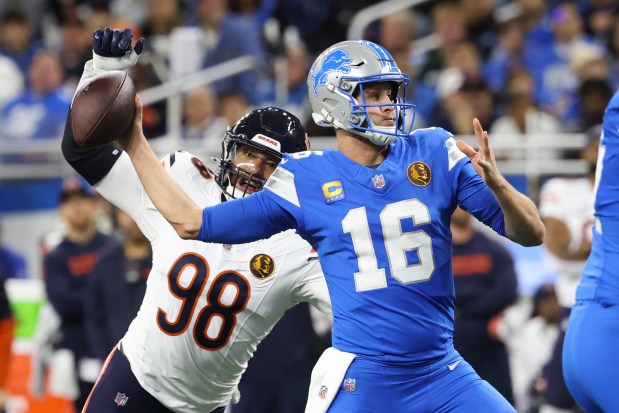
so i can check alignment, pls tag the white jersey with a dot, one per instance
(571, 201)
(207, 306)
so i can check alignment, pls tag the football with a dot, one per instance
(103, 109)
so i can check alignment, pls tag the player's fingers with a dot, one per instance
(97, 40)
(115, 49)
(139, 46)
(106, 43)
(466, 148)
(126, 38)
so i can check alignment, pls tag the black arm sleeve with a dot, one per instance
(92, 163)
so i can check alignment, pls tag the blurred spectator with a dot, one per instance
(612, 47)
(232, 106)
(294, 100)
(201, 123)
(16, 40)
(116, 287)
(162, 18)
(75, 50)
(598, 17)
(506, 55)
(41, 110)
(522, 117)
(481, 26)
(549, 64)
(463, 97)
(566, 208)
(12, 80)
(449, 26)
(226, 37)
(593, 96)
(276, 381)
(588, 62)
(531, 347)
(7, 325)
(536, 21)
(66, 269)
(485, 282)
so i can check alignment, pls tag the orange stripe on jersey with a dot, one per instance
(107, 363)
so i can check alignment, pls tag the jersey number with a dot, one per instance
(216, 317)
(397, 245)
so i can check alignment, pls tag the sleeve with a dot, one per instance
(94, 314)
(312, 288)
(475, 197)
(258, 215)
(92, 163)
(502, 291)
(62, 294)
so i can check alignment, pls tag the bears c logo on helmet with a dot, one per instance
(419, 173)
(261, 266)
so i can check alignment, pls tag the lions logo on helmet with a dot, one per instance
(336, 61)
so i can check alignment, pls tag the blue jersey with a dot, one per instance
(600, 279)
(382, 236)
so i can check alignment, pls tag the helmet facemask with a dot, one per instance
(361, 121)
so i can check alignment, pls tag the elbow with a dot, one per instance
(191, 228)
(533, 237)
(187, 231)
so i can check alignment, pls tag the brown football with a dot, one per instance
(103, 109)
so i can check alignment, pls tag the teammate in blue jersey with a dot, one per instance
(377, 210)
(590, 363)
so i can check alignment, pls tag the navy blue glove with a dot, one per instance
(112, 49)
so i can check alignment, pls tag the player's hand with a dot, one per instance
(483, 160)
(134, 134)
(113, 49)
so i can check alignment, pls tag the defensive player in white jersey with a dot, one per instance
(566, 208)
(207, 306)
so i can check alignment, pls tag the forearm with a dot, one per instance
(169, 198)
(522, 222)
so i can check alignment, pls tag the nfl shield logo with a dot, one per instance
(350, 385)
(378, 181)
(121, 399)
(323, 391)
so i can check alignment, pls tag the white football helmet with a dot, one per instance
(340, 73)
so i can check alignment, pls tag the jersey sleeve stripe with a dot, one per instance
(453, 152)
(281, 183)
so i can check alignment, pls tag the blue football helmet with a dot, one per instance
(336, 81)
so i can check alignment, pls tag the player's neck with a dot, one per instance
(360, 150)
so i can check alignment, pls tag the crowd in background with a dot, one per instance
(520, 66)
(547, 66)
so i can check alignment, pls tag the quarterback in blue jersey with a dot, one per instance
(378, 211)
(590, 362)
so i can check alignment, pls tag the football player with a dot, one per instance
(377, 210)
(590, 363)
(207, 306)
